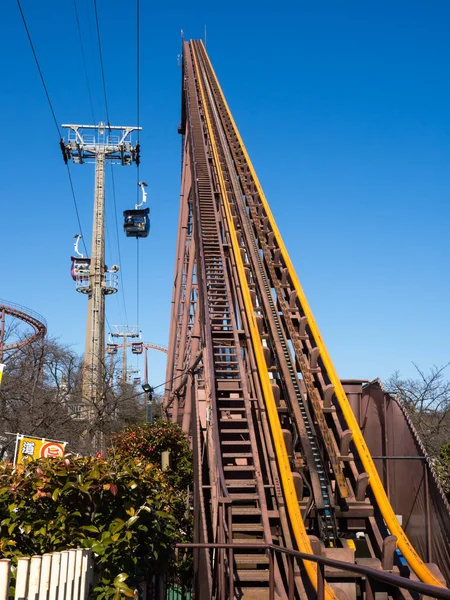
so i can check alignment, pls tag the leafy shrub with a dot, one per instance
(149, 441)
(442, 467)
(125, 510)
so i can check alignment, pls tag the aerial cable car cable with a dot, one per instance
(137, 281)
(138, 83)
(138, 117)
(140, 184)
(122, 287)
(112, 170)
(83, 56)
(53, 115)
(39, 69)
(101, 62)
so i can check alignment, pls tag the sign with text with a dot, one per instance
(32, 447)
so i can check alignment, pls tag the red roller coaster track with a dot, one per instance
(30, 317)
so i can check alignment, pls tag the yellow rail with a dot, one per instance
(287, 480)
(408, 550)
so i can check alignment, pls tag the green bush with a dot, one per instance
(125, 509)
(149, 441)
(442, 467)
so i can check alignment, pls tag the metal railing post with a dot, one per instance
(291, 577)
(320, 581)
(271, 574)
(221, 593)
(369, 589)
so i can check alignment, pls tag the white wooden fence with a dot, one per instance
(57, 576)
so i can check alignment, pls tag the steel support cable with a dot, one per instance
(101, 61)
(155, 387)
(287, 480)
(76, 209)
(138, 83)
(41, 75)
(138, 117)
(121, 309)
(122, 287)
(137, 281)
(83, 56)
(408, 550)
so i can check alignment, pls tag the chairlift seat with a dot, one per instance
(136, 222)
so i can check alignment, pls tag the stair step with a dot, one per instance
(244, 510)
(234, 430)
(251, 559)
(254, 593)
(253, 527)
(239, 497)
(239, 468)
(237, 455)
(241, 483)
(252, 575)
(235, 442)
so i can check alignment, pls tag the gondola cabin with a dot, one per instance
(136, 347)
(112, 348)
(137, 380)
(136, 222)
(80, 267)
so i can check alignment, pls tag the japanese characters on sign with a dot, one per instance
(31, 447)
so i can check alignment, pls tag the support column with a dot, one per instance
(93, 372)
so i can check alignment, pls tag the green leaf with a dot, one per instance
(92, 528)
(117, 525)
(98, 548)
(121, 577)
(94, 475)
(126, 590)
(132, 520)
(56, 494)
(11, 528)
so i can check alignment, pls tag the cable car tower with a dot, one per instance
(97, 144)
(125, 332)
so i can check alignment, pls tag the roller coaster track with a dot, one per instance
(36, 322)
(279, 455)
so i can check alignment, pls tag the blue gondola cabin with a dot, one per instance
(136, 347)
(137, 222)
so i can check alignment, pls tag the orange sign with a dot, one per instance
(32, 447)
(52, 450)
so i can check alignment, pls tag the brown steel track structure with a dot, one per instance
(277, 458)
(31, 318)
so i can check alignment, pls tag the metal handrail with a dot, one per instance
(424, 589)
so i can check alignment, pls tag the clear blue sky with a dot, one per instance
(344, 108)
